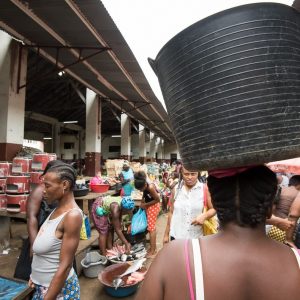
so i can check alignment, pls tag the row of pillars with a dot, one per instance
(13, 70)
(93, 138)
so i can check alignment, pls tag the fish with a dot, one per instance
(124, 257)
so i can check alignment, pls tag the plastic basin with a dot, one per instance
(99, 188)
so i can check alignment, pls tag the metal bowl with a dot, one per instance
(108, 274)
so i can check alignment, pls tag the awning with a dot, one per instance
(81, 38)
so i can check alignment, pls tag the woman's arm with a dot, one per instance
(206, 215)
(115, 218)
(32, 212)
(293, 217)
(71, 234)
(154, 195)
(170, 215)
(283, 224)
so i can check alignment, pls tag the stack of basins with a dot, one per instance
(39, 163)
(40, 160)
(4, 172)
(18, 185)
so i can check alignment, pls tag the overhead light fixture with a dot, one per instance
(70, 122)
(61, 73)
(47, 138)
(115, 136)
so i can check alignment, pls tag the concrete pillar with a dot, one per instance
(152, 146)
(159, 150)
(93, 134)
(125, 137)
(13, 70)
(142, 144)
(56, 140)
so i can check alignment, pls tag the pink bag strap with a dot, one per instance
(188, 270)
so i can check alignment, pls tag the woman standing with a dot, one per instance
(57, 240)
(150, 202)
(186, 215)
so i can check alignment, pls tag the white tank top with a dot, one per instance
(46, 252)
(188, 205)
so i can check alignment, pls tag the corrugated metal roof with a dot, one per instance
(113, 74)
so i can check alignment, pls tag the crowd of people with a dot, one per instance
(249, 203)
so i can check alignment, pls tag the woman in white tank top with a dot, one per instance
(54, 248)
(186, 217)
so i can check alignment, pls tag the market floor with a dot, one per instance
(90, 288)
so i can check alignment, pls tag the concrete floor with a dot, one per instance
(90, 288)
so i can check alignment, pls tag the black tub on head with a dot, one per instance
(231, 83)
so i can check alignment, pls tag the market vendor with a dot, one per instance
(126, 177)
(107, 216)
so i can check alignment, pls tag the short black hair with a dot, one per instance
(245, 198)
(140, 179)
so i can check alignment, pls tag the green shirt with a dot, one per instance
(107, 201)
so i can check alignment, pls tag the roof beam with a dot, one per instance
(101, 40)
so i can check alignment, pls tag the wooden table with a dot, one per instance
(85, 202)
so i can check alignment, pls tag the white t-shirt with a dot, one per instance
(188, 205)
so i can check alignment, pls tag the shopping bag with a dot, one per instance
(139, 222)
(277, 234)
(210, 225)
(85, 232)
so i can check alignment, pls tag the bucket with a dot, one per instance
(93, 264)
(4, 169)
(18, 184)
(231, 87)
(2, 185)
(21, 165)
(17, 203)
(40, 161)
(3, 202)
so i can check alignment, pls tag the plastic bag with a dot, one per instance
(85, 232)
(139, 222)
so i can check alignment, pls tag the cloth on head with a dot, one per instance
(127, 203)
(126, 163)
(228, 172)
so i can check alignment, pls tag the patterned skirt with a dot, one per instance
(70, 291)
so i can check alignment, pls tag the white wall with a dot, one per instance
(68, 153)
(110, 141)
(170, 148)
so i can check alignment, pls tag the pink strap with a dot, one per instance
(188, 270)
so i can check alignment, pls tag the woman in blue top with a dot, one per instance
(126, 176)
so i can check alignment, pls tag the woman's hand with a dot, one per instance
(31, 284)
(199, 220)
(284, 224)
(143, 205)
(127, 248)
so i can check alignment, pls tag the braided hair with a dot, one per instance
(50, 164)
(65, 172)
(245, 198)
